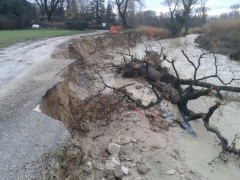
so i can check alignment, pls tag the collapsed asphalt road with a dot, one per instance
(26, 73)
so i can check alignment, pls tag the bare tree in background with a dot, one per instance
(188, 6)
(172, 6)
(202, 11)
(61, 7)
(176, 22)
(83, 5)
(49, 7)
(122, 7)
(235, 8)
(68, 3)
(41, 7)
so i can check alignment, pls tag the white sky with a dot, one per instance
(216, 6)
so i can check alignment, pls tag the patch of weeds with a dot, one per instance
(59, 153)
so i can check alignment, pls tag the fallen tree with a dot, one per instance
(170, 87)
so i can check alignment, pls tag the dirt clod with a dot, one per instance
(143, 168)
(114, 148)
(171, 172)
(118, 173)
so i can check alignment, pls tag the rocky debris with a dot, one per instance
(127, 164)
(171, 172)
(163, 115)
(174, 156)
(110, 177)
(163, 125)
(109, 165)
(134, 140)
(155, 147)
(87, 169)
(125, 170)
(121, 140)
(125, 155)
(89, 164)
(126, 158)
(115, 160)
(118, 173)
(112, 163)
(143, 168)
(114, 148)
(176, 151)
(131, 107)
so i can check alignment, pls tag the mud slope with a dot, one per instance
(65, 100)
(112, 138)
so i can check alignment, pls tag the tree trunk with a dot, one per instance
(49, 16)
(124, 22)
(169, 78)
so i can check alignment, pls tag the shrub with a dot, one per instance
(221, 25)
(74, 25)
(196, 30)
(97, 27)
(53, 25)
(153, 32)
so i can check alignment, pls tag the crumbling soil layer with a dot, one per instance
(112, 138)
(77, 101)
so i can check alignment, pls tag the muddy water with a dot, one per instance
(200, 151)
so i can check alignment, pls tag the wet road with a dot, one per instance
(26, 73)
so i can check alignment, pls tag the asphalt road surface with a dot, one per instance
(26, 73)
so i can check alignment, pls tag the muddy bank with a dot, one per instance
(77, 101)
(112, 138)
(121, 141)
(220, 45)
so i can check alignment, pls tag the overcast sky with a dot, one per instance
(216, 6)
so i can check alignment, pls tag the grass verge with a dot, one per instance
(13, 36)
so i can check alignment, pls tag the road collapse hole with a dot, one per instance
(76, 114)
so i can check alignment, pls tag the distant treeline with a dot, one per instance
(16, 14)
(91, 14)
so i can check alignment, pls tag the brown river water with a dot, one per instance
(200, 151)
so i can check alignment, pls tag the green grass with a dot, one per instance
(10, 37)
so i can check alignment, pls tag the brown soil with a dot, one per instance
(64, 100)
(96, 117)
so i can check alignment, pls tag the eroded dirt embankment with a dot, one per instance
(112, 138)
(76, 101)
